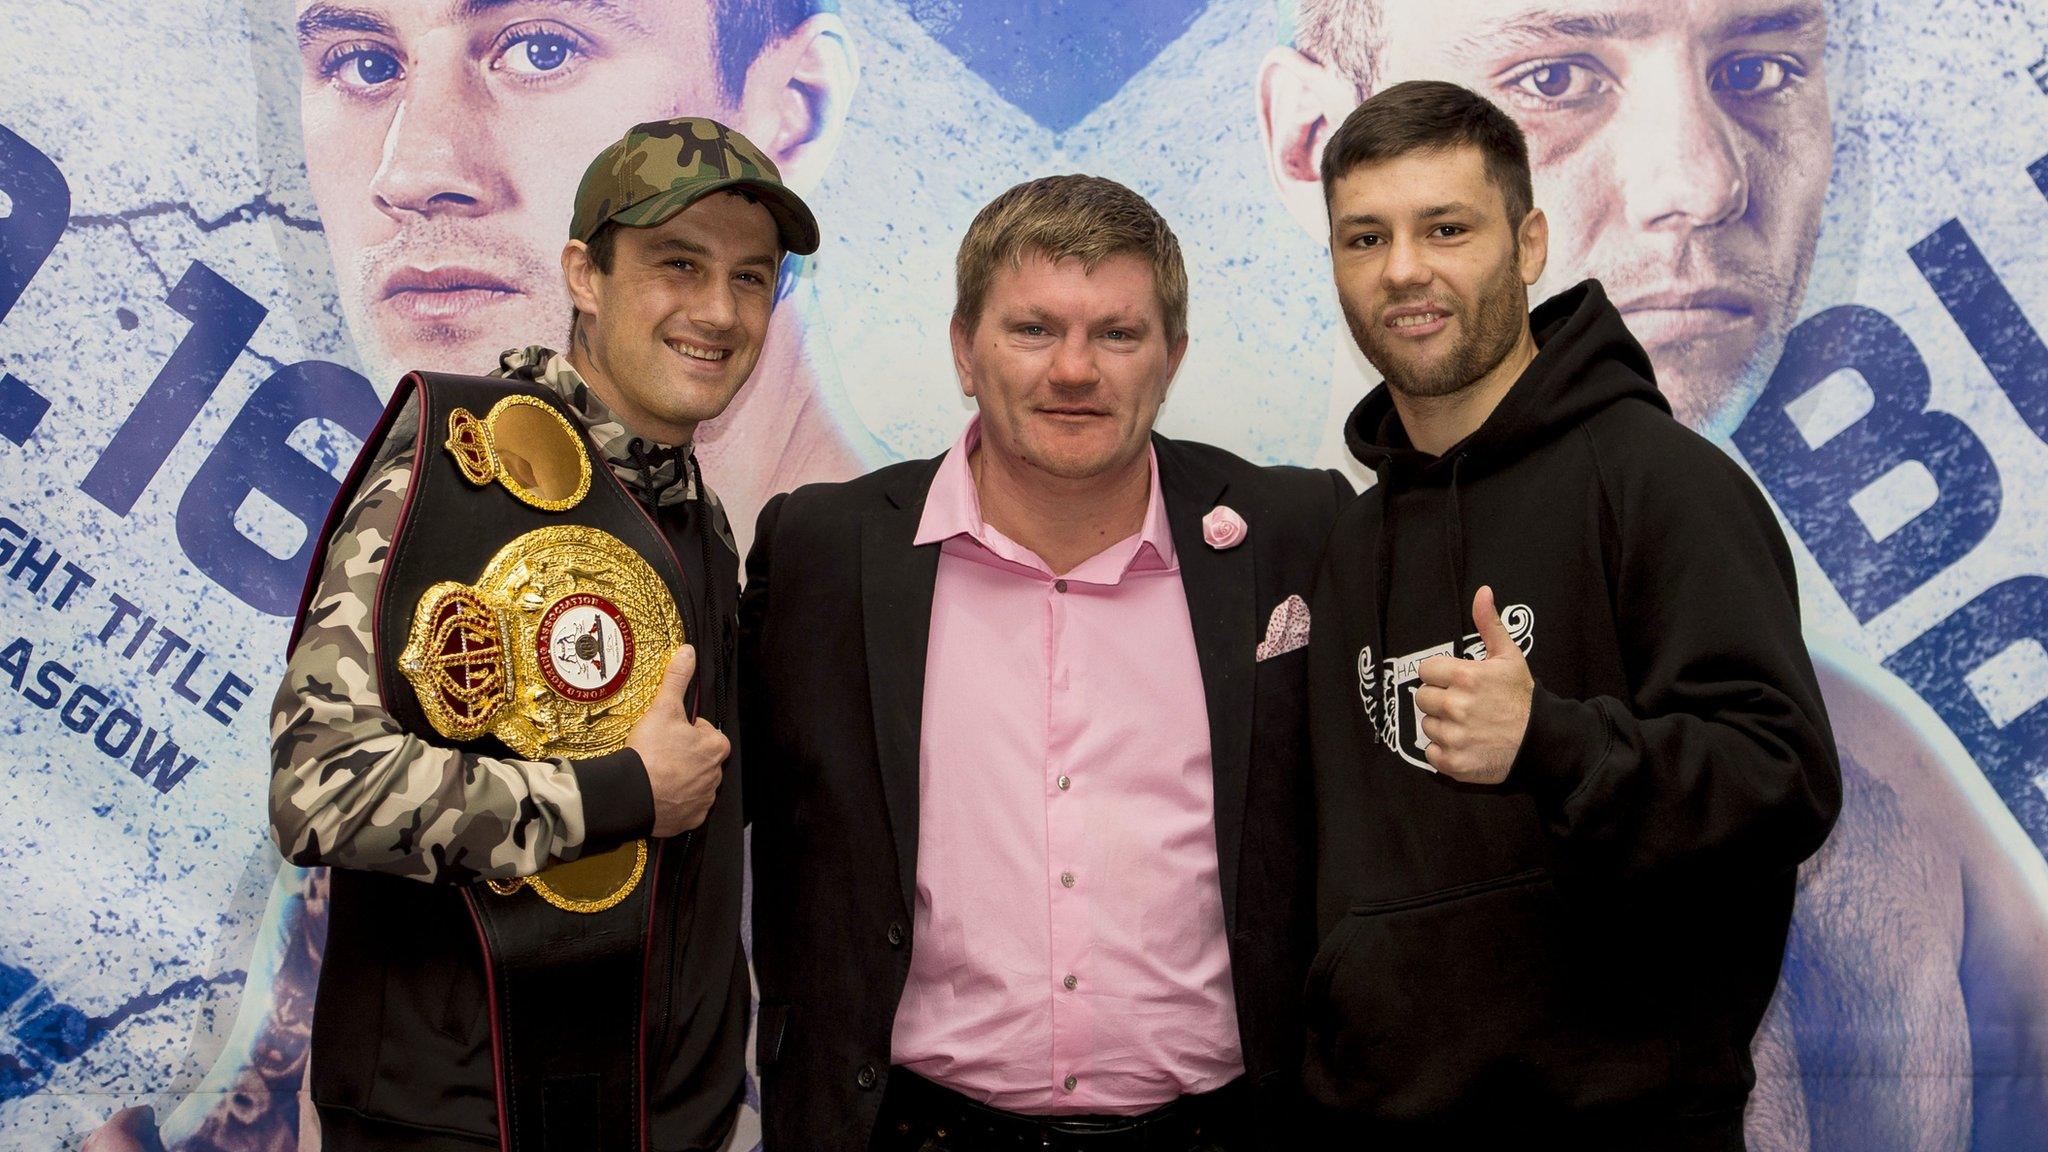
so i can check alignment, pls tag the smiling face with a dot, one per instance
(1068, 366)
(667, 336)
(1681, 149)
(1431, 274)
(444, 140)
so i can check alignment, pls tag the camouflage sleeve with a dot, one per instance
(348, 787)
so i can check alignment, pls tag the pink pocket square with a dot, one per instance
(1286, 630)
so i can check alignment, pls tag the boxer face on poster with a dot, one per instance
(1682, 149)
(445, 138)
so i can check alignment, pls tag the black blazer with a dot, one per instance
(834, 625)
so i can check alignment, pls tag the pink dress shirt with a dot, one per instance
(1068, 949)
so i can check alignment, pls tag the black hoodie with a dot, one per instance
(1585, 951)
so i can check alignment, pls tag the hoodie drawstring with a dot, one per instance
(1383, 576)
(1454, 547)
(1383, 584)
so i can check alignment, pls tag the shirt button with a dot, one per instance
(1065, 782)
(895, 935)
(1069, 1083)
(1070, 982)
(1059, 585)
(866, 1077)
(1066, 879)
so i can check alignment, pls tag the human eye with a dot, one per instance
(360, 66)
(1750, 76)
(538, 51)
(1448, 231)
(1367, 240)
(1553, 85)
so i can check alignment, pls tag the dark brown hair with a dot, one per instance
(604, 246)
(1433, 116)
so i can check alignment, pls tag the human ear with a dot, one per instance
(580, 273)
(1532, 243)
(796, 96)
(1300, 103)
(963, 354)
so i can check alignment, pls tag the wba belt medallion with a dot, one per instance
(557, 650)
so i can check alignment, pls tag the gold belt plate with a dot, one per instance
(557, 649)
(527, 447)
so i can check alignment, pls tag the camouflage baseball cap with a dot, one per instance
(659, 168)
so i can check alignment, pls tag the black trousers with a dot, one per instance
(920, 1116)
(342, 1130)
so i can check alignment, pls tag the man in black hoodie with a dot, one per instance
(1568, 746)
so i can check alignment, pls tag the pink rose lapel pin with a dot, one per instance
(1286, 629)
(1223, 528)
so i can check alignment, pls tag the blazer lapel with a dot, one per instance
(896, 580)
(1222, 608)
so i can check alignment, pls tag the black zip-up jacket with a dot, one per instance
(1585, 951)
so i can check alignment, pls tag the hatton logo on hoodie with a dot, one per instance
(1387, 688)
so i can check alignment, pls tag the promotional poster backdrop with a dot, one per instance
(226, 228)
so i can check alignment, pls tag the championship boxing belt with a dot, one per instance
(528, 609)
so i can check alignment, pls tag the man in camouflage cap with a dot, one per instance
(663, 166)
(678, 231)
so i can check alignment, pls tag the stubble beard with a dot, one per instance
(1493, 330)
(1716, 411)
(390, 346)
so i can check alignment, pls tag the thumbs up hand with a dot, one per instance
(684, 758)
(1475, 712)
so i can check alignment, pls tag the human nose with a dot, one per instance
(439, 158)
(1405, 265)
(1683, 166)
(714, 306)
(1073, 362)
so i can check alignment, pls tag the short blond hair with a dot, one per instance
(1085, 218)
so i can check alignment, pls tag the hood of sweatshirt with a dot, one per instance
(1586, 360)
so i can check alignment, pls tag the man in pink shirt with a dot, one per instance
(1024, 728)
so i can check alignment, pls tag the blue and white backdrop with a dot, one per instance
(226, 224)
